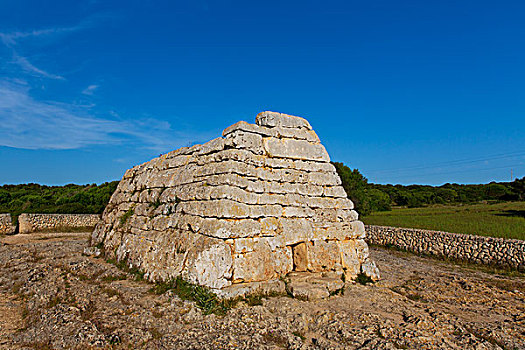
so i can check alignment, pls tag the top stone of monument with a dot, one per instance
(275, 119)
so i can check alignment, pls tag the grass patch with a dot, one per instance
(505, 220)
(205, 299)
(363, 279)
(156, 204)
(113, 278)
(123, 265)
(126, 216)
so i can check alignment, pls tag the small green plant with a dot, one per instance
(156, 204)
(126, 216)
(25, 311)
(299, 334)
(155, 334)
(54, 301)
(254, 299)
(340, 291)
(123, 265)
(205, 299)
(88, 311)
(112, 278)
(363, 279)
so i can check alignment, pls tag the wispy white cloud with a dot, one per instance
(32, 124)
(90, 90)
(28, 67)
(12, 38)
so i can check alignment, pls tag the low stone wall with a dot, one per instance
(471, 248)
(55, 222)
(6, 225)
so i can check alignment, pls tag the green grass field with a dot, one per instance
(497, 220)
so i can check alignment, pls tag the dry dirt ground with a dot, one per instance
(52, 296)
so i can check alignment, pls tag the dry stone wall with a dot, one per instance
(476, 249)
(237, 212)
(6, 225)
(42, 222)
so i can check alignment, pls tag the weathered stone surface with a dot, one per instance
(349, 259)
(311, 286)
(300, 257)
(237, 212)
(245, 140)
(262, 264)
(323, 255)
(52, 222)
(212, 267)
(275, 286)
(295, 149)
(307, 290)
(277, 132)
(6, 226)
(50, 290)
(272, 119)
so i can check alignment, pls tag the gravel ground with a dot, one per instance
(54, 297)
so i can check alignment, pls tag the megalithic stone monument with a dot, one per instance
(237, 213)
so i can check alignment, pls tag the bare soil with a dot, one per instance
(54, 297)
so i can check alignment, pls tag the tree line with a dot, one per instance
(68, 199)
(367, 197)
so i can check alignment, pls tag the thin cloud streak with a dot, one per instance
(11, 39)
(28, 67)
(90, 90)
(31, 124)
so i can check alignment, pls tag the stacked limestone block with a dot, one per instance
(6, 224)
(28, 223)
(238, 212)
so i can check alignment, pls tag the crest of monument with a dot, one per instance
(237, 213)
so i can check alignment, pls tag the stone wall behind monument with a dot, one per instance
(28, 222)
(245, 208)
(6, 224)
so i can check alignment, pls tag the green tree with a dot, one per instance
(366, 199)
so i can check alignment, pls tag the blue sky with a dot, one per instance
(408, 92)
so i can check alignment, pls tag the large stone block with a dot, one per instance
(245, 140)
(323, 255)
(295, 149)
(262, 264)
(273, 119)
